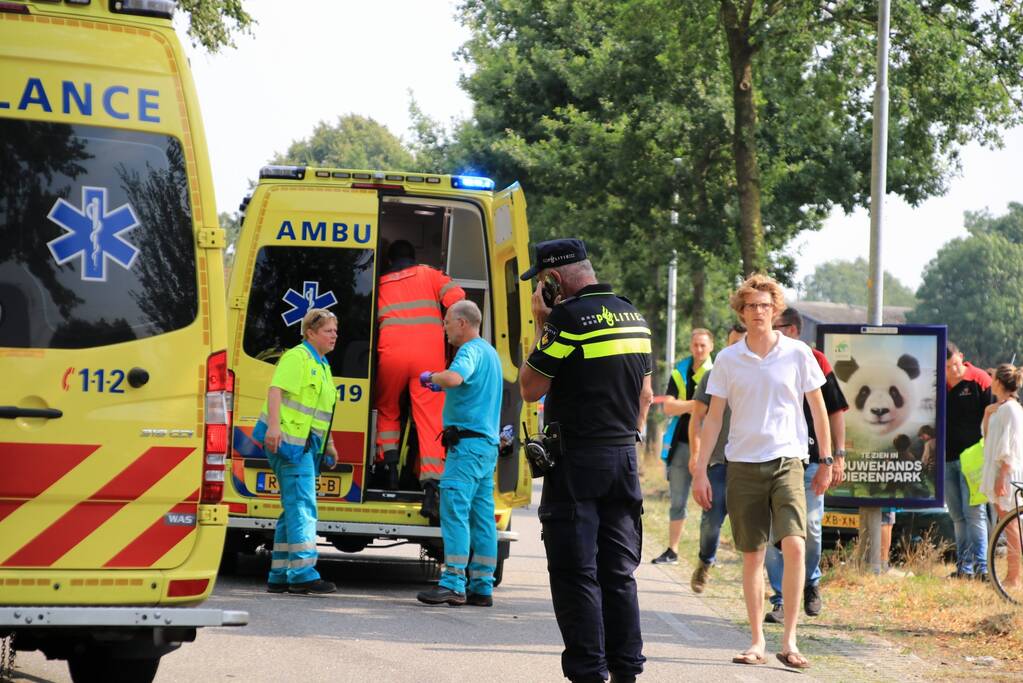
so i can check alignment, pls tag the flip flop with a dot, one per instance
(790, 660)
(749, 657)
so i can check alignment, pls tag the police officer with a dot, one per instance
(592, 360)
(294, 429)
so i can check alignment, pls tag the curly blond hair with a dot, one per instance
(758, 282)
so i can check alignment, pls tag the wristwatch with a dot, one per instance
(827, 460)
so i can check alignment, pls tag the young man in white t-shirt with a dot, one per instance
(764, 380)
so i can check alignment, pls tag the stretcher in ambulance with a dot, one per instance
(114, 407)
(315, 237)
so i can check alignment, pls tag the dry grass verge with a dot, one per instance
(959, 630)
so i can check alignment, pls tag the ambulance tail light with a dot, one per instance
(471, 182)
(164, 9)
(219, 414)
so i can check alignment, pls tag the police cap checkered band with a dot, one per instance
(554, 253)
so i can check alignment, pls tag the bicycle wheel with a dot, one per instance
(1005, 556)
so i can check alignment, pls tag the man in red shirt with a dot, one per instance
(969, 393)
(410, 300)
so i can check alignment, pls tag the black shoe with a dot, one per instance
(776, 615)
(960, 574)
(812, 600)
(622, 678)
(276, 587)
(479, 600)
(983, 577)
(317, 587)
(431, 500)
(440, 596)
(669, 556)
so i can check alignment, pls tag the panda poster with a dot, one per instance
(894, 427)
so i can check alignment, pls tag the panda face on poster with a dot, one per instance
(882, 395)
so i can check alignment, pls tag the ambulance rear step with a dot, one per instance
(360, 529)
(29, 616)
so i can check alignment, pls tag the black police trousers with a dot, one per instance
(590, 512)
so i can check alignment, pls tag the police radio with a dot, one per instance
(543, 450)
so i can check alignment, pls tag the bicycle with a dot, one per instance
(1005, 554)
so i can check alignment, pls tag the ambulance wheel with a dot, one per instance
(98, 666)
(430, 560)
(234, 543)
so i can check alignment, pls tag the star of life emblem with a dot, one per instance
(93, 234)
(308, 298)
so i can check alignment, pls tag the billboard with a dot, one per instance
(893, 378)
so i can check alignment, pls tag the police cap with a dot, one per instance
(555, 253)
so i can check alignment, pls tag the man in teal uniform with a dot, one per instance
(472, 413)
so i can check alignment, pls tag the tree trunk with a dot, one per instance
(747, 169)
(698, 278)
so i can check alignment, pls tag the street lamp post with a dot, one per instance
(870, 517)
(669, 342)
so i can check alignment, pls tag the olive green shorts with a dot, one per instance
(765, 500)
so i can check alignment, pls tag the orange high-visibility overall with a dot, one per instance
(412, 340)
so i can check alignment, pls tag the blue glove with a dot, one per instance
(424, 381)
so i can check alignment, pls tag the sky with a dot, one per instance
(313, 61)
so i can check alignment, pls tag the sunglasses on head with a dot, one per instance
(320, 316)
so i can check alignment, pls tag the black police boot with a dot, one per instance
(431, 500)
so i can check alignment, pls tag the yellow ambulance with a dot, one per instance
(316, 237)
(116, 394)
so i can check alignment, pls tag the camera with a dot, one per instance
(543, 450)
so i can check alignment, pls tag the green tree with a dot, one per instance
(845, 282)
(767, 103)
(582, 102)
(231, 223)
(211, 23)
(355, 142)
(802, 79)
(973, 285)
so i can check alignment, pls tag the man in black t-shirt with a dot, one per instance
(969, 394)
(592, 360)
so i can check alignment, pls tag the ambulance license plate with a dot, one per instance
(266, 482)
(844, 520)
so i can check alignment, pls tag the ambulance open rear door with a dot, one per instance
(509, 256)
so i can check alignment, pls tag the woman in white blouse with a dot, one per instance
(1003, 457)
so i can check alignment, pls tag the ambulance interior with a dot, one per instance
(448, 235)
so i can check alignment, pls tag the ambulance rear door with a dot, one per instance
(105, 331)
(303, 247)
(509, 256)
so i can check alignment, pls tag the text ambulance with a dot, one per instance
(318, 238)
(115, 402)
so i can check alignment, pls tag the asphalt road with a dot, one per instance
(374, 630)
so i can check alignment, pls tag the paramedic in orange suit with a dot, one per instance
(411, 323)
